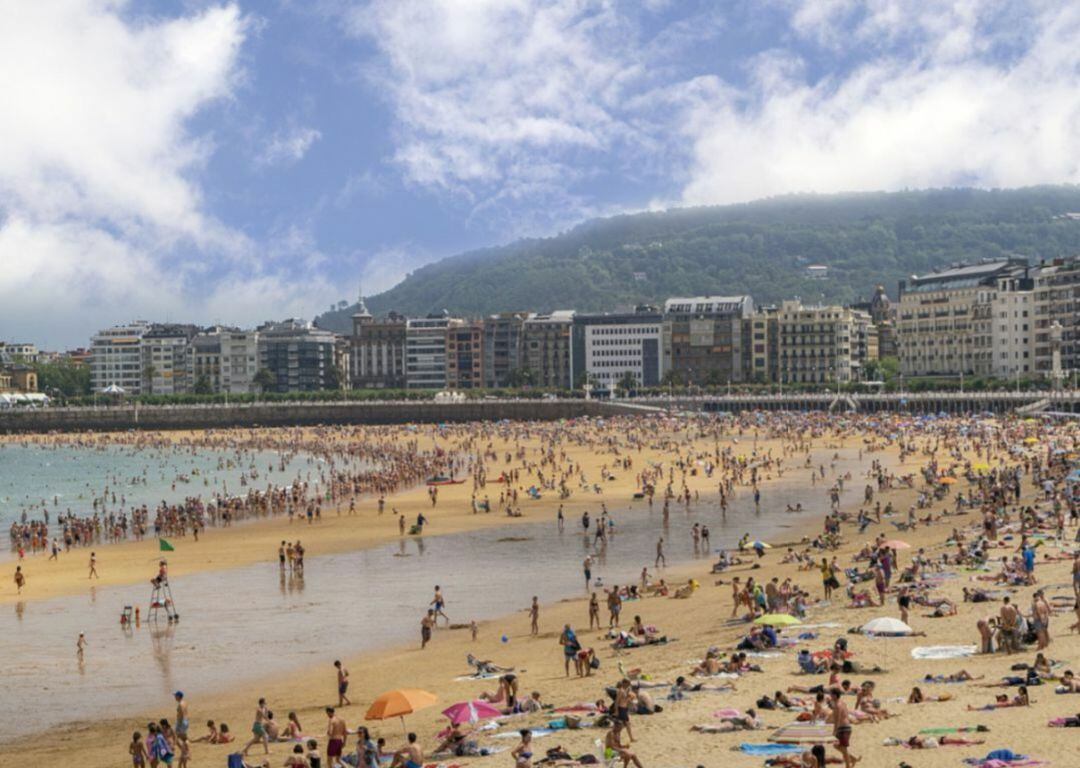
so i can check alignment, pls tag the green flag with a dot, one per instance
(165, 546)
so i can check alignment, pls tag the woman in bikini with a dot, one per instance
(522, 753)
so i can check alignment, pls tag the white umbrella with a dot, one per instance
(114, 389)
(885, 626)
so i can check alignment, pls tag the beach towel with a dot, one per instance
(961, 729)
(487, 676)
(940, 652)
(727, 713)
(769, 750)
(803, 733)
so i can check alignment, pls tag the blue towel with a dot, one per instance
(1005, 754)
(770, 749)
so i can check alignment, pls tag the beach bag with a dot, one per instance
(594, 662)
(236, 760)
(573, 722)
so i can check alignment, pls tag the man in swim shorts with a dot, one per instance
(335, 738)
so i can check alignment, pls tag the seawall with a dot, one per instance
(122, 418)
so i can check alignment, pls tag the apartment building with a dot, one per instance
(164, 349)
(823, 344)
(946, 322)
(378, 350)
(762, 338)
(503, 335)
(606, 348)
(1012, 309)
(116, 358)
(547, 353)
(703, 338)
(425, 351)
(20, 351)
(299, 356)
(1056, 296)
(225, 360)
(465, 355)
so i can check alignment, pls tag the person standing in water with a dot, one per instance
(534, 616)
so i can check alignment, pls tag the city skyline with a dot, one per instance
(237, 162)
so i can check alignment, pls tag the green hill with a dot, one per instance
(761, 248)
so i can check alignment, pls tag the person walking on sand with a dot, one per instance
(20, 580)
(342, 684)
(258, 729)
(594, 611)
(336, 733)
(534, 616)
(93, 566)
(842, 728)
(426, 624)
(183, 722)
(80, 648)
(660, 553)
(570, 645)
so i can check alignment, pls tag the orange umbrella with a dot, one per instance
(947, 480)
(399, 703)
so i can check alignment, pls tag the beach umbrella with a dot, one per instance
(1031, 440)
(981, 467)
(885, 626)
(399, 703)
(897, 544)
(777, 620)
(471, 712)
(946, 480)
(761, 545)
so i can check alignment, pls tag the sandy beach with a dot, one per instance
(691, 625)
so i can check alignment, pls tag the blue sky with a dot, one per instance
(239, 161)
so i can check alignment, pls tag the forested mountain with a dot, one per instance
(762, 248)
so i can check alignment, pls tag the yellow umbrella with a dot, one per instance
(399, 703)
(981, 467)
(777, 620)
(1031, 440)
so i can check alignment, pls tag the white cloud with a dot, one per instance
(102, 218)
(486, 91)
(288, 147)
(964, 106)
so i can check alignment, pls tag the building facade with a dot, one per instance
(1056, 296)
(548, 346)
(165, 349)
(503, 334)
(298, 356)
(823, 344)
(224, 360)
(425, 352)
(608, 348)
(945, 319)
(1012, 308)
(116, 358)
(465, 355)
(703, 339)
(378, 351)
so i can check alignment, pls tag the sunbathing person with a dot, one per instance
(1069, 683)
(710, 666)
(485, 666)
(917, 697)
(867, 704)
(680, 687)
(930, 742)
(1004, 702)
(956, 677)
(745, 722)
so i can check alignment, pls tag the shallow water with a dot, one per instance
(63, 477)
(238, 625)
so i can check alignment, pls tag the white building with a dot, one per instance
(1013, 333)
(165, 348)
(607, 348)
(116, 358)
(425, 352)
(225, 359)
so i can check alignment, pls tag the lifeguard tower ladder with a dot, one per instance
(161, 599)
